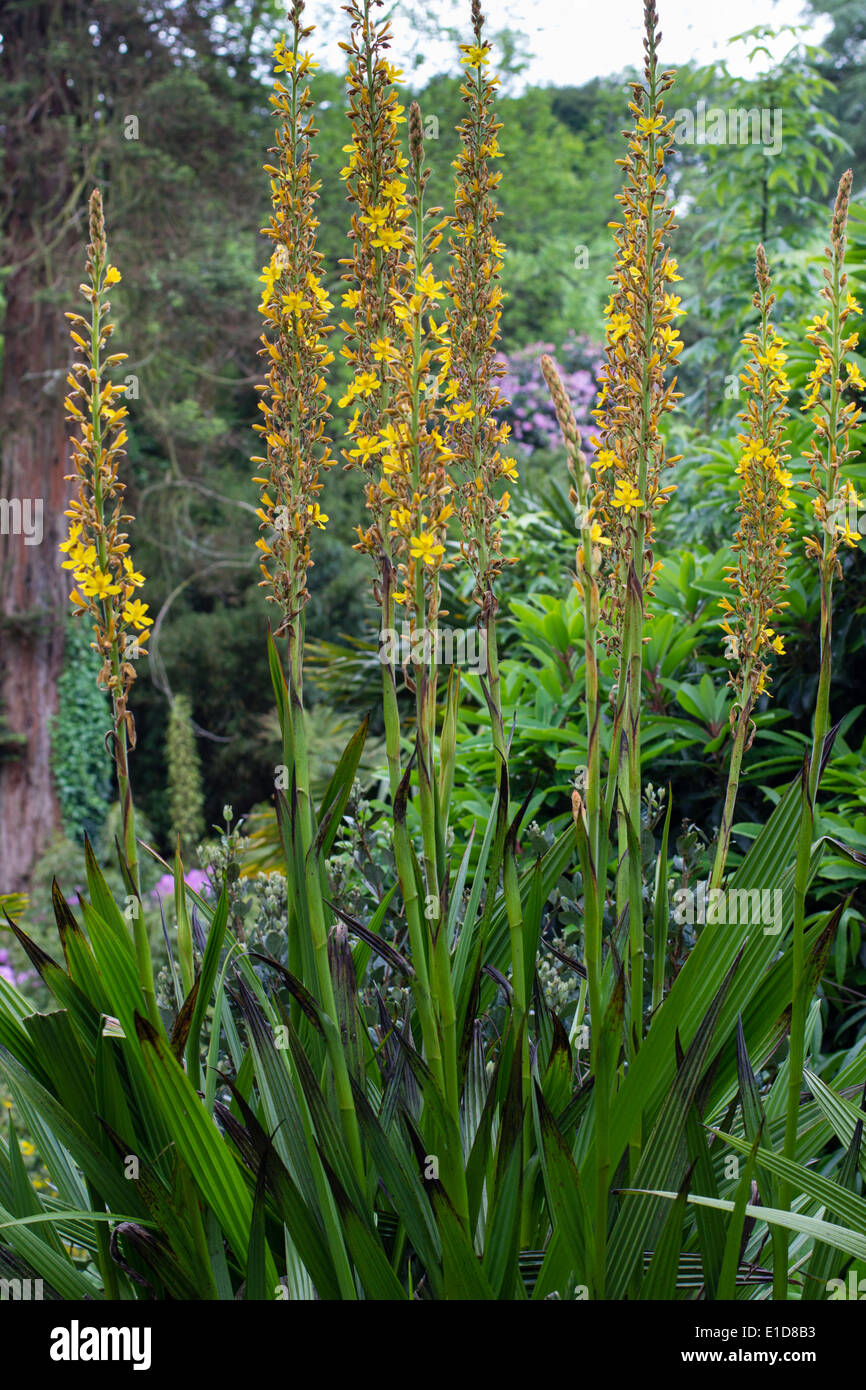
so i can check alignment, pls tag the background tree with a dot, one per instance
(107, 91)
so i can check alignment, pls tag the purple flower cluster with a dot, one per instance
(530, 411)
(196, 879)
(8, 971)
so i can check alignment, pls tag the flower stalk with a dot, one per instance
(761, 542)
(398, 349)
(587, 810)
(642, 347)
(97, 549)
(295, 405)
(477, 438)
(833, 419)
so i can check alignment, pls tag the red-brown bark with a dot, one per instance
(39, 235)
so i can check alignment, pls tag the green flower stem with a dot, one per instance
(389, 686)
(510, 880)
(315, 904)
(595, 892)
(799, 1002)
(144, 960)
(740, 739)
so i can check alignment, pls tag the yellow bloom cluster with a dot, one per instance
(833, 417)
(642, 347)
(375, 181)
(475, 435)
(761, 542)
(295, 306)
(398, 341)
(415, 483)
(96, 549)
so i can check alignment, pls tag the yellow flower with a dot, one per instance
(294, 303)
(475, 55)
(617, 327)
(424, 548)
(604, 459)
(383, 349)
(113, 276)
(376, 217)
(364, 384)
(389, 238)
(80, 558)
(318, 516)
(432, 288)
(131, 575)
(72, 539)
(135, 613)
(367, 446)
(626, 495)
(98, 585)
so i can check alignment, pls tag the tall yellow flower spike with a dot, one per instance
(475, 436)
(295, 305)
(832, 415)
(96, 550)
(761, 542)
(642, 347)
(375, 180)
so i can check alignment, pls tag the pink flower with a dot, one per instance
(196, 879)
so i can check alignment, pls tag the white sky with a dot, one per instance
(575, 40)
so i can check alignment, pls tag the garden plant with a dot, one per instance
(414, 1085)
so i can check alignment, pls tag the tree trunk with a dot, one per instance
(33, 587)
(39, 234)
